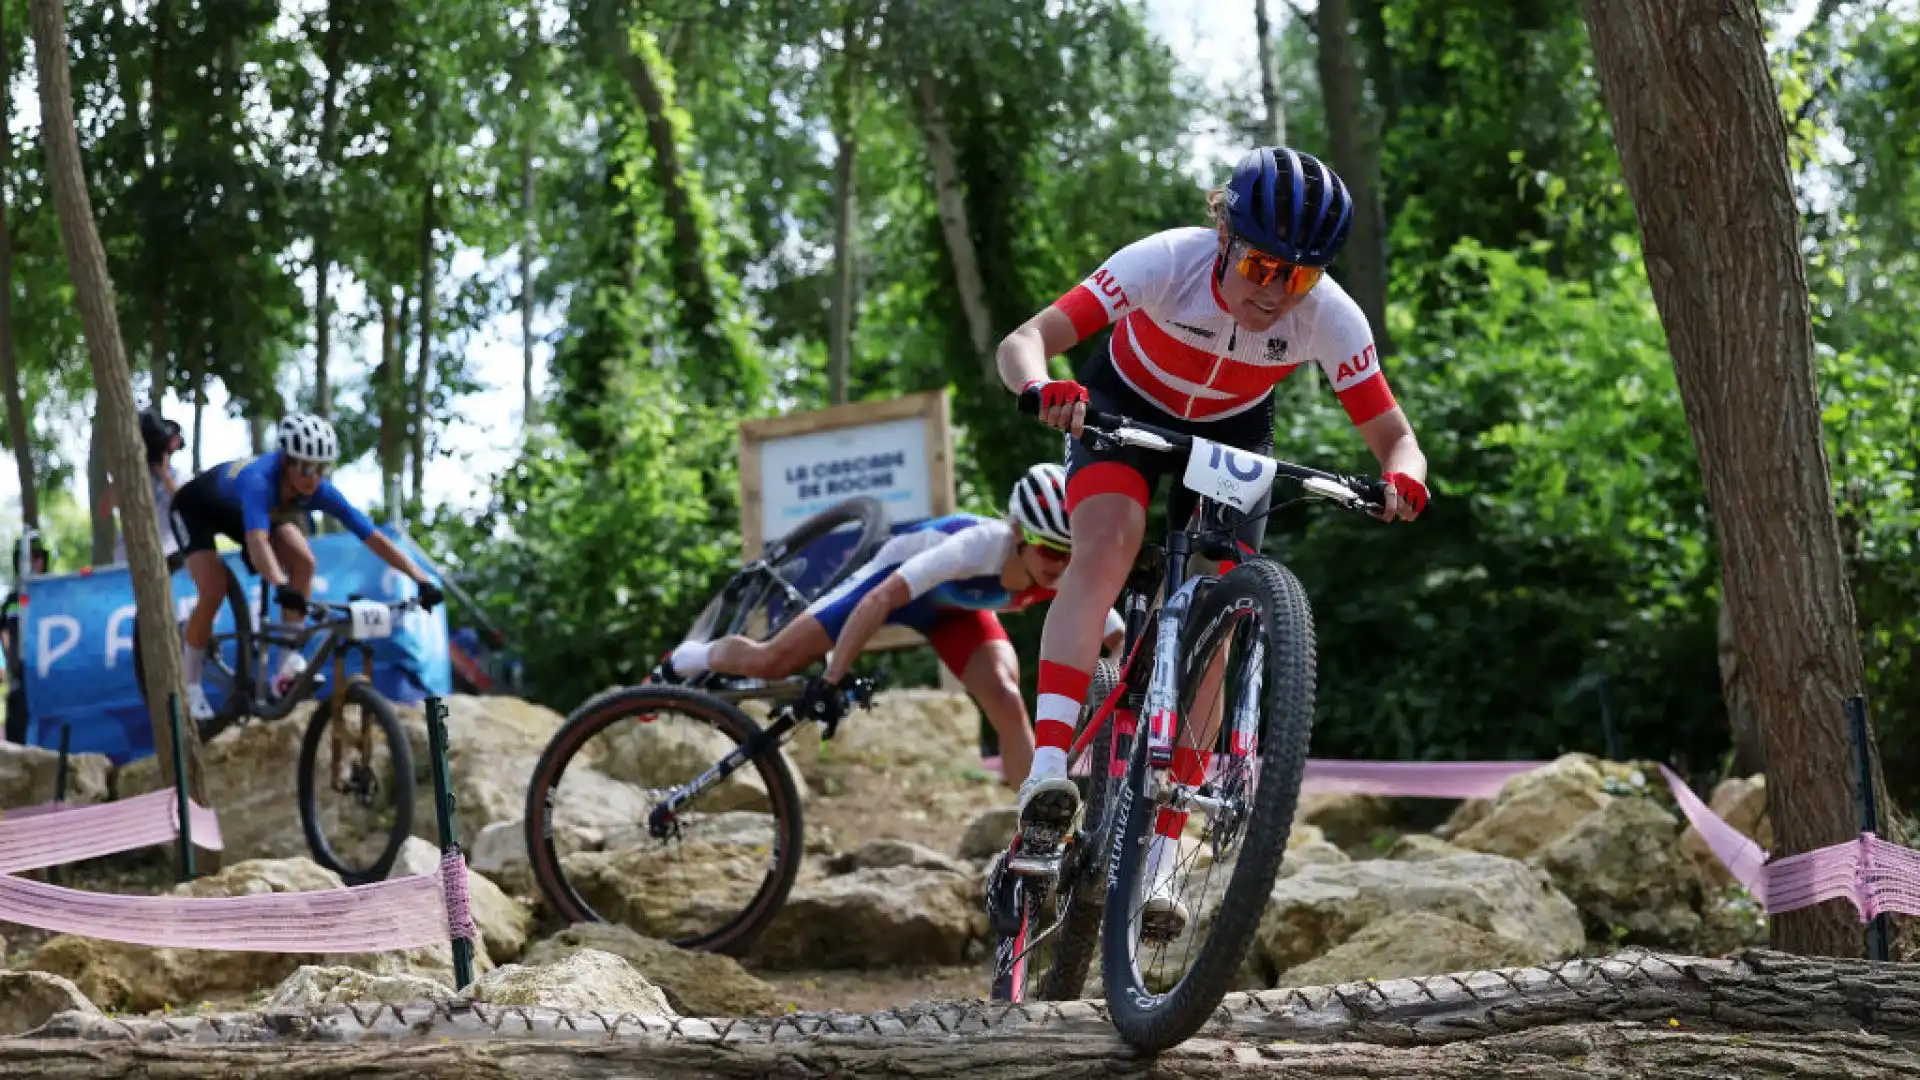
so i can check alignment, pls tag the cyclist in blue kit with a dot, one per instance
(266, 505)
(945, 578)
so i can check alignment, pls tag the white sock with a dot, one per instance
(193, 664)
(1163, 858)
(1048, 761)
(690, 657)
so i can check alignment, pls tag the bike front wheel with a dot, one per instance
(612, 838)
(356, 785)
(1248, 659)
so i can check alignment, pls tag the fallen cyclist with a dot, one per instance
(945, 578)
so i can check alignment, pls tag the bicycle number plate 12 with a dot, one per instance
(1238, 478)
(371, 620)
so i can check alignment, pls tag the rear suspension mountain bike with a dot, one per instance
(1218, 673)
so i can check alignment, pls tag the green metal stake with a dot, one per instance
(443, 818)
(187, 871)
(60, 788)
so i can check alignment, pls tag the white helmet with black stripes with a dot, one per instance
(1039, 503)
(306, 437)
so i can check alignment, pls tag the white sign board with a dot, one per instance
(803, 474)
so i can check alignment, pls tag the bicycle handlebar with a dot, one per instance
(1355, 492)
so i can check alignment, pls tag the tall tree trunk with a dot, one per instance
(100, 523)
(333, 44)
(1356, 156)
(1269, 51)
(951, 198)
(159, 360)
(256, 431)
(19, 434)
(530, 409)
(687, 260)
(389, 381)
(846, 134)
(199, 377)
(423, 368)
(1749, 753)
(87, 262)
(1703, 145)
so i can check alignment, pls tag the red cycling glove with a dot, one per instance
(1412, 492)
(1057, 392)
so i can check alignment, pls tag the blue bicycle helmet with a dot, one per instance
(1290, 205)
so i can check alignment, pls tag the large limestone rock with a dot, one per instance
(1420, 847)
(882, 854)
(681, 889)
(904, 728)
(695, 983)
(499, 851)
(135, 978)
(503, 921)
(1308, 846)
(588, 979)
(1312, 912)
(27, 775)
(990, 832)
(31, 998)
(1407, 944)
(1622, 867)
(1348, 821)
(1536, 807)
(891, 917)
(311, 985)
(1742, 803)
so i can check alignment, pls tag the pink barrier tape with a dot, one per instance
(19, 812)
(87, 832)
(1412, 779)
(453, 876)
(1741, 856)
(1877, 877)
(404, 913)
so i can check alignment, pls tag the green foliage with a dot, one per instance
(1568, 537)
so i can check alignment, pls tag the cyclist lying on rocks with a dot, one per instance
(260, 504)
(944, 578)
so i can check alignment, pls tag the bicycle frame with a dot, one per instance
(335, 645)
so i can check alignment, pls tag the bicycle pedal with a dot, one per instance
(1035, 865)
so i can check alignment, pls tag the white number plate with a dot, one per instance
(371, 620)
(1238, 478)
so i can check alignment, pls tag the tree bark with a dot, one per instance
(333, 44)
(846, 133)
(1703, 146)
(1621, 1018)
(1355, 150)
(87, 262)
(951, 198)
(19, 433)
(423, 367)
(101, 526)
(1749, 753)
(530, 409)
(1269, 52)
(159, 346)
(199, 405)
(389, 389)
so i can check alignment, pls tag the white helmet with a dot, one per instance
(1039, 502)
(306, 437)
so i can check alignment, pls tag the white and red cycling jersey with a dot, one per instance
(1177, 346)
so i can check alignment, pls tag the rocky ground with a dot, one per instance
(1581, 857)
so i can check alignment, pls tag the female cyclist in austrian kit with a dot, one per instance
(1205, 322)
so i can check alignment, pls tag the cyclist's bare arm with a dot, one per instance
(1023, 354)
(391, 554)
(260, 550)
(869, 615)
(1391, 439)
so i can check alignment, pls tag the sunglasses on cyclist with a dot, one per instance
(1263, 269)
(1057, 551)
(315, 469)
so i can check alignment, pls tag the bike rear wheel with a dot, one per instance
(232, 700)
(710, 875)
(1028, 966)
(858, 526)
(1259, 606)
(358, 751)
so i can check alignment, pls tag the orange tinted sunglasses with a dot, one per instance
(1263, 269)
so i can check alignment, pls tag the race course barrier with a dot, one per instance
(400, 913)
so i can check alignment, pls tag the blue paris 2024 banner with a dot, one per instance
(78, 645)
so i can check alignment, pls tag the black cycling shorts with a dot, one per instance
(1136, 472)
(204, 516)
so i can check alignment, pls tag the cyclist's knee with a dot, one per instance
(296, 558)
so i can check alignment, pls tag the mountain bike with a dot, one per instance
(741, 813)
(1236, 764)
(353, 746)
(769, 592)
